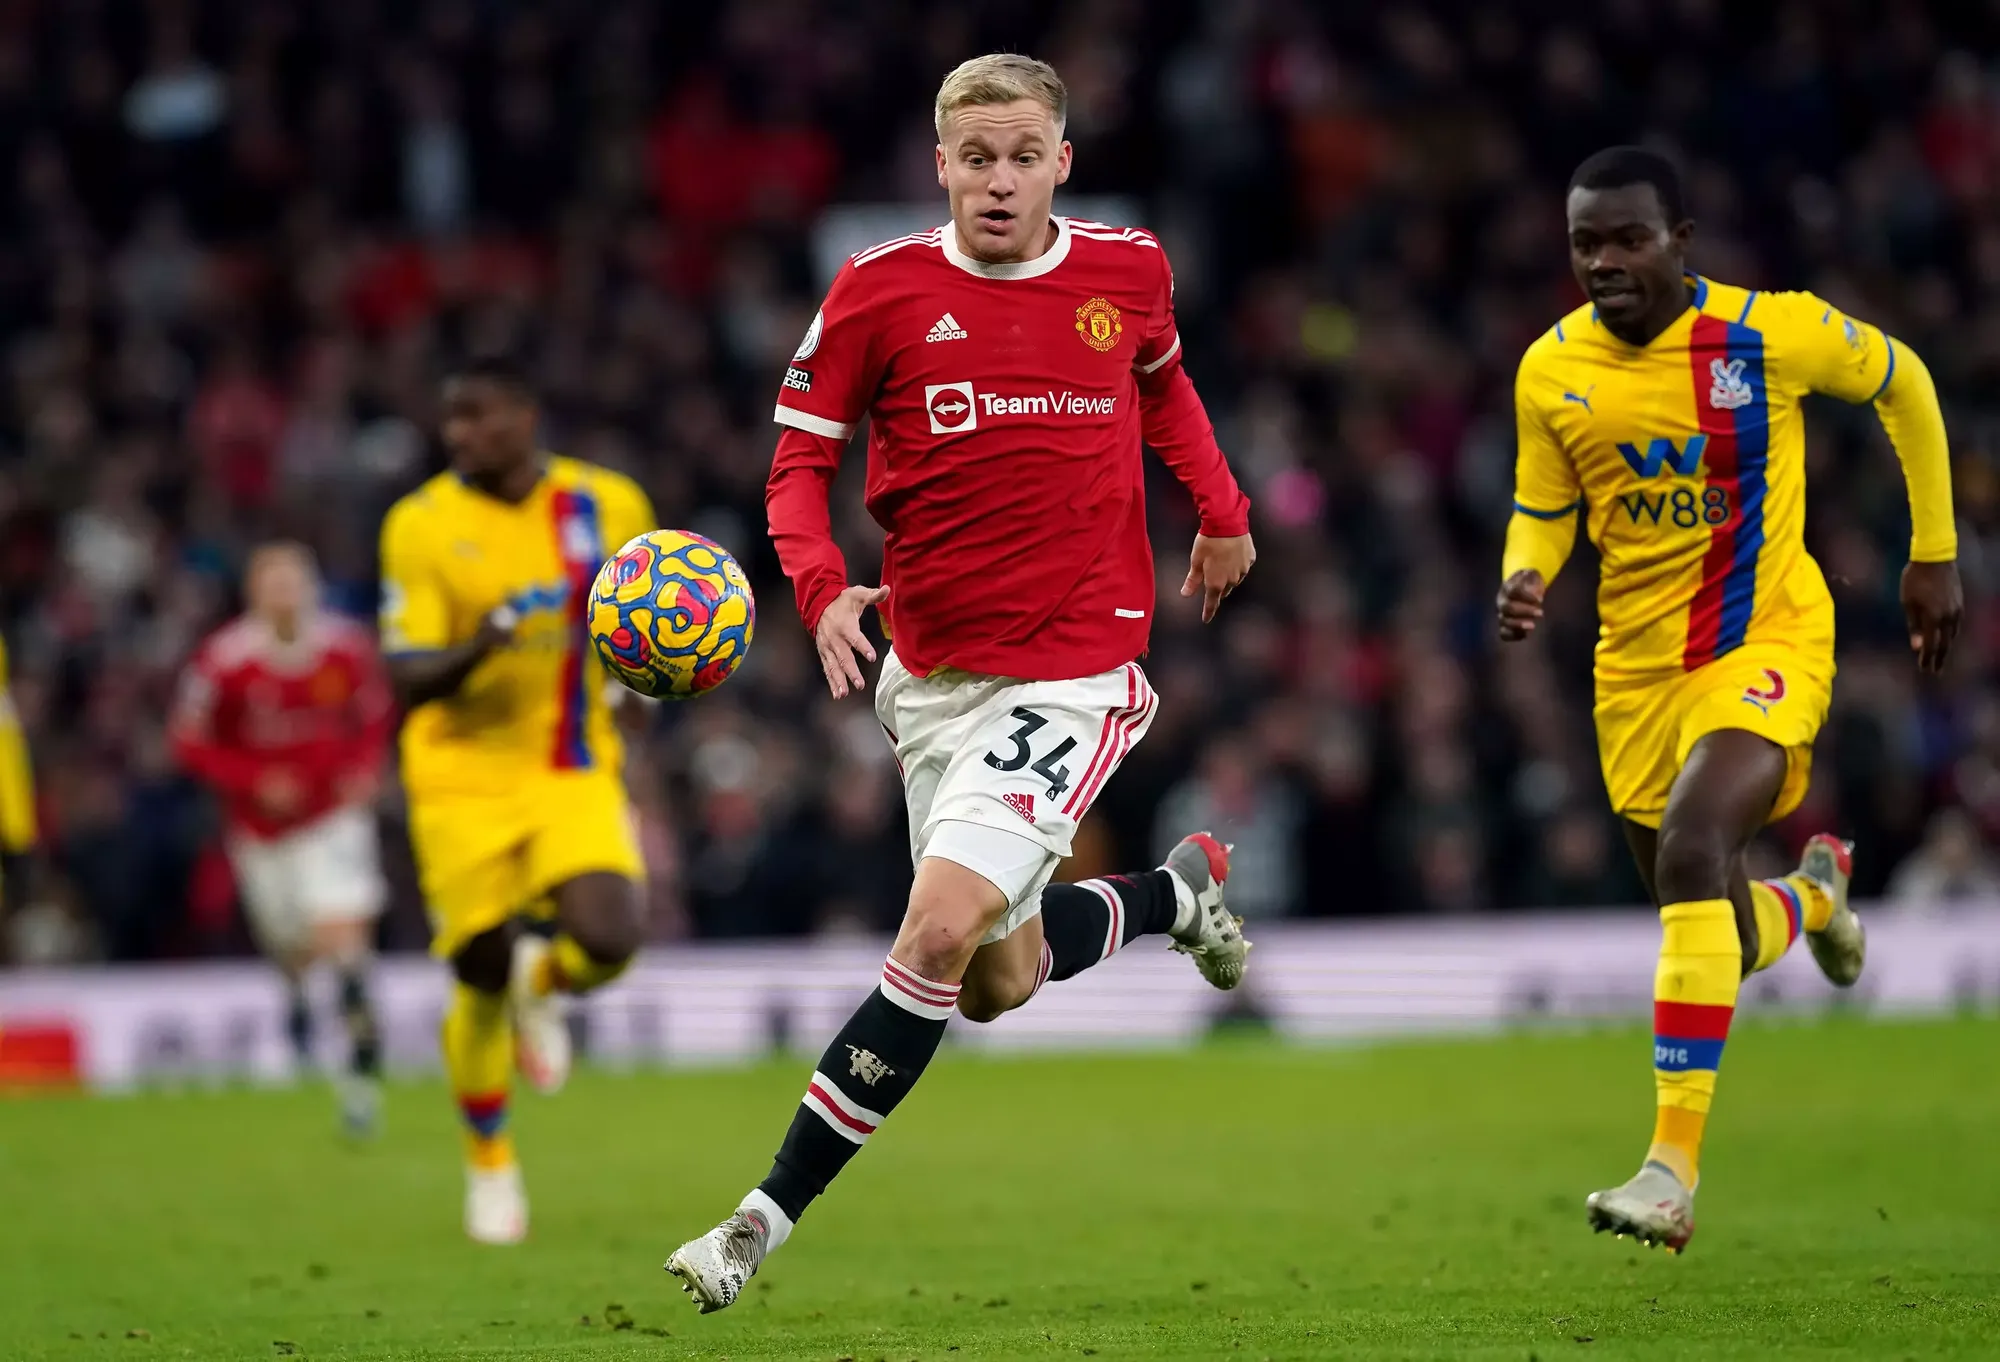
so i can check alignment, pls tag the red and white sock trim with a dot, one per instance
(909, 990)
(1114, 933)
(1048, 963)
(849, 1119)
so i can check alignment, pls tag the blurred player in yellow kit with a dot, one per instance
(1667, 412)
(17, 786)
(510, 756)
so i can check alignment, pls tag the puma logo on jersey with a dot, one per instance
(1769, 695)
(1729, 390)
(947, 328)
(1583, 399)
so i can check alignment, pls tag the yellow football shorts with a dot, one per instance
(1645, 729)
(486, 857)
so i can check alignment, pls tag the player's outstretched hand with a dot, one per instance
(1520, 604)
(1933, 603)
(1217, 567)
(839, 638)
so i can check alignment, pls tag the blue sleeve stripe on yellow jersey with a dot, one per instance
(1561, 339)
(580, 541)
(1748, 303)
(1890, 372)
(1556, 514)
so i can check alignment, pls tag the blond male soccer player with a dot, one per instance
(285, 714)
(1667, 412)
(1010, 363)
(510, 756)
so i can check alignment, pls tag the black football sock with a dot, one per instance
(870, 1067)
(299, 1023)
(364, 1038)
(1085, 923)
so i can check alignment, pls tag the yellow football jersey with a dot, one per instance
(450, 556)
(17, 786)
(1687, 457)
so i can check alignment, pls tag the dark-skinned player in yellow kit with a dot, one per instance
(1667, 411)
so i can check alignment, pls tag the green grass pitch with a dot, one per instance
(1245, 1200)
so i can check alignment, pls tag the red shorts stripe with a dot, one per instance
(1129, 722)
(1105, 737)
(1692, 1021)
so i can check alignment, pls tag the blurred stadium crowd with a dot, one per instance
(244, 239)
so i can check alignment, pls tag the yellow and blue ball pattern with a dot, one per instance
(671, 614)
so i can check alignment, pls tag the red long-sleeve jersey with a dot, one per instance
(1007, 406)
(316, 709)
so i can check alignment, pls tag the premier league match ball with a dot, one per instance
(671, 614)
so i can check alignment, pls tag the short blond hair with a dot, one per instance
(1002, 78)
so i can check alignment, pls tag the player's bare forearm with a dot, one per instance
(1933, 605)
(1519, 604)
(435, 673)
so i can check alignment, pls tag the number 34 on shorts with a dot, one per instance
(1027, 756)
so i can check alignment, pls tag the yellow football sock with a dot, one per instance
(1694, 997)
(1784, 908)
(1815, 904)
(479, 1061)
(567, 967)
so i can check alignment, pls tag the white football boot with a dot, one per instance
(541, 1023)
(496, 1205)
(1204, 927)
(1840, 947)
(1653, 1208)
(360, 1098)
(714, 1267)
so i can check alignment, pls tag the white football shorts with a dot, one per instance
(991, 757)
(328, 870)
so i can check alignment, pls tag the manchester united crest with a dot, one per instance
(1097, 322)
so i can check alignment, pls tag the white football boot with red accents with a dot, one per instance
(1840, 947)
(541, 1025)
(496, 1205)
(714, 1267)
(1203, 926)
(1654, 1207)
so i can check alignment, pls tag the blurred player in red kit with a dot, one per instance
(285, 712)
(1011, 363)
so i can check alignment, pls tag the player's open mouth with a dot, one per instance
(1614, 294)
(996, 218)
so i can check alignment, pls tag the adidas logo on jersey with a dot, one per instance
(947, 328)
(1023, 804)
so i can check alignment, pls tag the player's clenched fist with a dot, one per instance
(839, 638)
(1217, 567)
(1520, 604)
